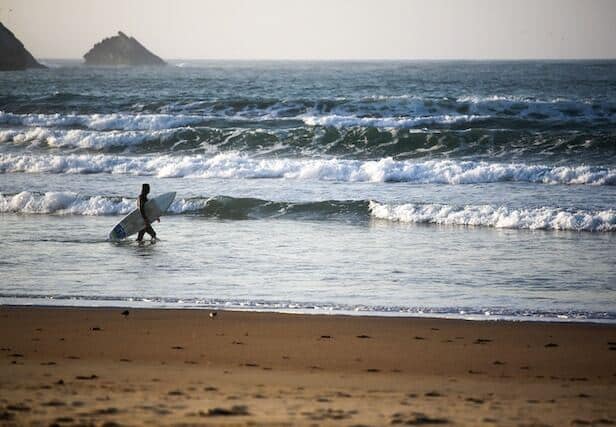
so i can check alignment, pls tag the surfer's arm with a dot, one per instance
(142, 211)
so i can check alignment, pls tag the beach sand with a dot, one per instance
(92, 366)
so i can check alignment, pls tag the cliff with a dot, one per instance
(121, 50)
(13, 54)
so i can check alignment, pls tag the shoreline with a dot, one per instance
(343, 313)
(170, 366)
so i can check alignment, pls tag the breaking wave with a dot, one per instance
(377, 110)
(223, 207)
(357, 143)
(544, 218)
(339, 121)
(78, 138)
(230, 208)
(235, 165)
(115, 121)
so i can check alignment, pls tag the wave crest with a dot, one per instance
(231, 208)
(235, 165)
(64, 203)
(544, 218)
(114, 121)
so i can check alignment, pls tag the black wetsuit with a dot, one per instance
(148, 228)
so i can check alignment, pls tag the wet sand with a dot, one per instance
(74, 366)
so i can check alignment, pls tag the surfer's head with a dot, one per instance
(145, 188)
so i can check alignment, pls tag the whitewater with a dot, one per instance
(458, 189)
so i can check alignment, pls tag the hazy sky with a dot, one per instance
(321, 29)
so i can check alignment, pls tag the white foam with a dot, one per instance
(187, 205)
(64, 203)
(70, 203)
(406, 111)
(77, 138)
(234, 165)
(118, 121)
(396, 111)
(342, 121)
(544, 218)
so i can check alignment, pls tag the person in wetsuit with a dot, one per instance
(143, 198)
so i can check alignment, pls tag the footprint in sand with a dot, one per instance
(54, 403)
(433, 394)
(236, 410)
(106, 411)
(417, 419)
(18, 407)
(86, 377)
(329, 414)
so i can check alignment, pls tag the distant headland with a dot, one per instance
(121, 50)
(13, 54)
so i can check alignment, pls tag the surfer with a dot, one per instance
(143, 198)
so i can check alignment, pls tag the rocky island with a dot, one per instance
(13, 54)
(121, 50)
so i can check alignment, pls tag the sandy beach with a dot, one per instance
(78, 366)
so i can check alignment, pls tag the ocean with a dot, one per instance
(479, 190)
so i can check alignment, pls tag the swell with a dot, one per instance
(358, 136)
(239, 166)
(595, 147)
(230, 208)
(223, 207)
(378, 110)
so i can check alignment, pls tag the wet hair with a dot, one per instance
(145, 188)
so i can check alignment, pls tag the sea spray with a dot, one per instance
(237, 165)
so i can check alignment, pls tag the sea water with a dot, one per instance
(456, 189)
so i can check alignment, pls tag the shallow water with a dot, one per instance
(482, 190)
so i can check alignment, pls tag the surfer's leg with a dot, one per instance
(140, 235)
(150, 231)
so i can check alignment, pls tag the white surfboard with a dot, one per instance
(133, 222)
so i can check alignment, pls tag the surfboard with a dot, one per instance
(133, 222)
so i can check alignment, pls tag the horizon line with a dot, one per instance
(453, 59)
